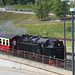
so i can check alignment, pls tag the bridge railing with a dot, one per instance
(37, 58)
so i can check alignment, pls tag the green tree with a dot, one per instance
(72, 5)
(23, 2)
(32, 1)
(15, 1)
(57, 7)
(8, 2)
(4, 2)
(41, 9)
(1, 3)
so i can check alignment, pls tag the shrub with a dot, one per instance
(21, 10)
(16, 9)
(69, 29)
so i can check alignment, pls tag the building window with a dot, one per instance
(0, 41)
(3, 42)
(7, 42)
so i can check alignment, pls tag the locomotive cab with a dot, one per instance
(55, 49)
(59, 49)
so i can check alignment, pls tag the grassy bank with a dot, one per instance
(19, 7)
(37, 27)
(55, 29)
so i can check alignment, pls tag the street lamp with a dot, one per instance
(72, 10)
(64, 37)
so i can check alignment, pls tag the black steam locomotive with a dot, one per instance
(37, 48)
(47, 46)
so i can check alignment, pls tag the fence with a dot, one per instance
(37, 58)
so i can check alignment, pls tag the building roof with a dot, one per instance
(7, 35)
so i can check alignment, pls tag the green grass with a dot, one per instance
(19, 7)
(37, 27)
(14, 16)
(55, 29)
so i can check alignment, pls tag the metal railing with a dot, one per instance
(37, 58)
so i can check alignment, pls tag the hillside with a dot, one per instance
(37, 27)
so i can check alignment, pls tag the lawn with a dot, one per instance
(38, 27)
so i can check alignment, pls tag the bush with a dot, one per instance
(21, 10)
(16, 9)
(69, 29)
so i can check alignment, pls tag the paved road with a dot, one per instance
(21, 12)
(3, 9)
(4, 72)
(14, 71)
(26, 12)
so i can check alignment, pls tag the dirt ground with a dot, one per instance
(69, 49)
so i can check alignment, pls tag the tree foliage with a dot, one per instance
(72, 5)
(11, 2)
(57, 7)
(1, 3)
(41, 9)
